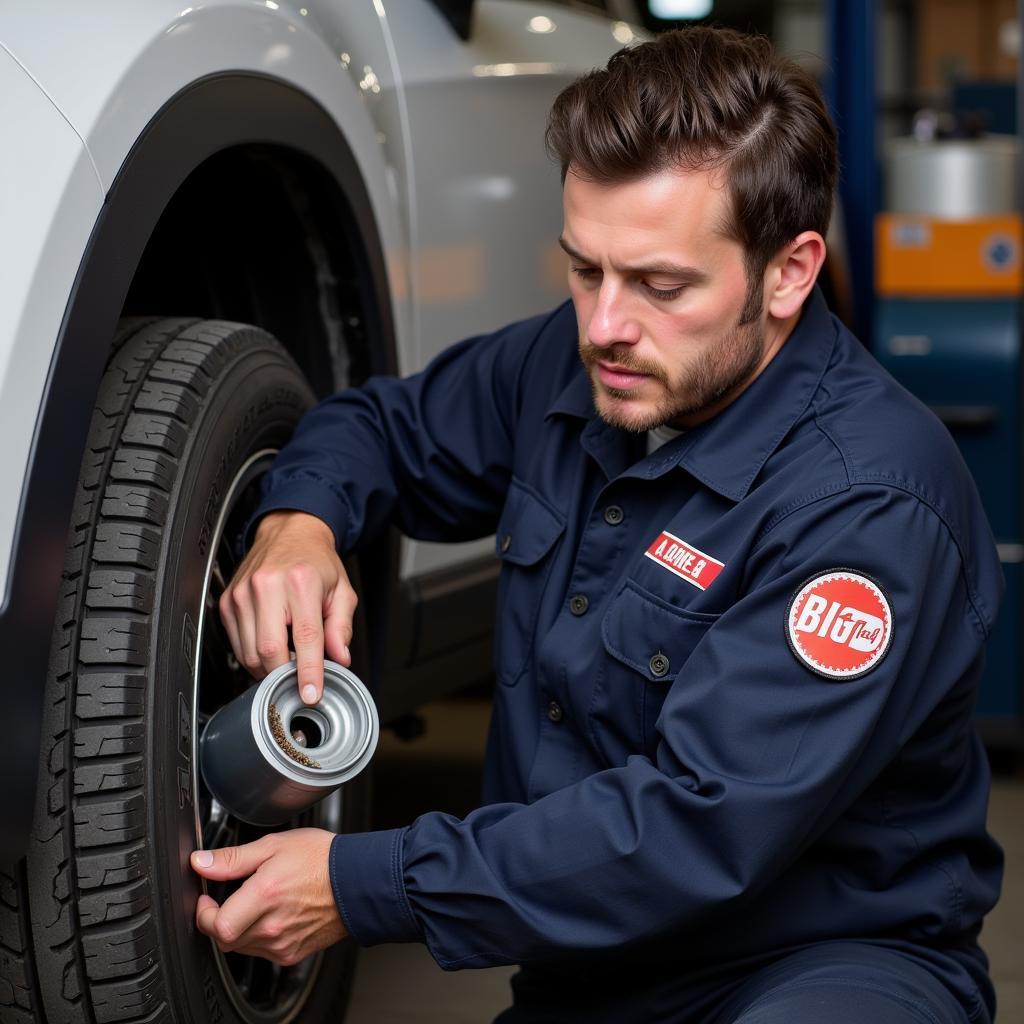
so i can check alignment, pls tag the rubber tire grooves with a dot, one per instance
(19, 993)
(19, 989)
(95, 939)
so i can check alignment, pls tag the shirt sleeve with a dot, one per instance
(430, 453)
(757, 756)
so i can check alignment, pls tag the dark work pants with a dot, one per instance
(829, 983)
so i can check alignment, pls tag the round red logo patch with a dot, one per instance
(839, 624)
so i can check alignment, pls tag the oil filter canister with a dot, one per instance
(267, 756)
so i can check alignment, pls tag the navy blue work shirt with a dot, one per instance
(700, 752)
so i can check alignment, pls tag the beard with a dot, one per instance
(723, 367)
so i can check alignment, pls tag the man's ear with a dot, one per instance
(796, 269)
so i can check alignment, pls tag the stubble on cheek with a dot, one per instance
(612, 403)
(721, 367)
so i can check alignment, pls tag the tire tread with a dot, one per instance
(89, 880)
(17, 982)
(91, 955)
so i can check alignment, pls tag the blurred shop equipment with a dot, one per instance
(948, 284)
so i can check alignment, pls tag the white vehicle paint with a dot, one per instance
(425, 151)
(487, 217)
(447, 135)
(49, 199)
(138, 56)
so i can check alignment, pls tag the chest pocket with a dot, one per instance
(527, 533)
(649, 642)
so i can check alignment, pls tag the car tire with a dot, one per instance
(97, 922)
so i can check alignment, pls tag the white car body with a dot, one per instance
(106, 69)
(447, 135)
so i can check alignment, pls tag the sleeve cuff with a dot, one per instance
(309, 496)
(366, 873)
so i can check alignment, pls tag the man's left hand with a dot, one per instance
(285, 911)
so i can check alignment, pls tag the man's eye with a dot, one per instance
(664, 294)
(586, 273)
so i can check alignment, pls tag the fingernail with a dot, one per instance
(203, 858)
(309, 693)
(348, 656)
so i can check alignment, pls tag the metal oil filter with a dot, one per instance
(267, 756)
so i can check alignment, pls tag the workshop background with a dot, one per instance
(925, 266)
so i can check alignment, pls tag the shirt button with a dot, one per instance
(506, 542)
(613, 515)
(578, 604)
(659, 665)
(555, 711)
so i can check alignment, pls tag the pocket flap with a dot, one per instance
(649, 635)
(528, 527)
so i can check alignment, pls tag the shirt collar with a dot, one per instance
(727, 452)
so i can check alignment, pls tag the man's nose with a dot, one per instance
(612, 320)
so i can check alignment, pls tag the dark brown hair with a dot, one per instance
(704, 98)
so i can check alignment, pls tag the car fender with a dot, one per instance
(111, 67)
(49, 199)
(216, 112)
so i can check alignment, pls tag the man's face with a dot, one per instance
(659, 292)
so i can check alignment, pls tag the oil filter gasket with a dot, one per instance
(265, 779)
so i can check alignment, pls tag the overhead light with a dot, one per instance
(509, 70)
(541, 25)
(680, 10)
(622, 32)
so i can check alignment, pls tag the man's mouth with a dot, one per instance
(619, 377)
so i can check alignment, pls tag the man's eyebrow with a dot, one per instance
(573, 253)
(689, 274)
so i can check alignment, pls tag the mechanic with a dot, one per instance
(746, 585)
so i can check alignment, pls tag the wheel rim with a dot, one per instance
(261, 992)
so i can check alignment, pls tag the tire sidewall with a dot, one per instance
(254, 403)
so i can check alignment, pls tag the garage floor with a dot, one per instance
(441, 771)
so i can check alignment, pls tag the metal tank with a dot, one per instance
(952, 179)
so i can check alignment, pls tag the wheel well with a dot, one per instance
(198, 137)
(262, 234)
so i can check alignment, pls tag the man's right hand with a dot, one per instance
(292, 576)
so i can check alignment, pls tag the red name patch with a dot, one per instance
(839, 624)
(684, 560)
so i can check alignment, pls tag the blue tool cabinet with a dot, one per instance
(962, 358)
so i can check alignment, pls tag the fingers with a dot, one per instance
(338, 611)
(232, 861)
(229, 924)
(270, 615)
(286, 910)
(206, 914)
(293, 577)
(227, 616)
(305, 599)
(260, 619)
(256, 611)
(238, 616)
